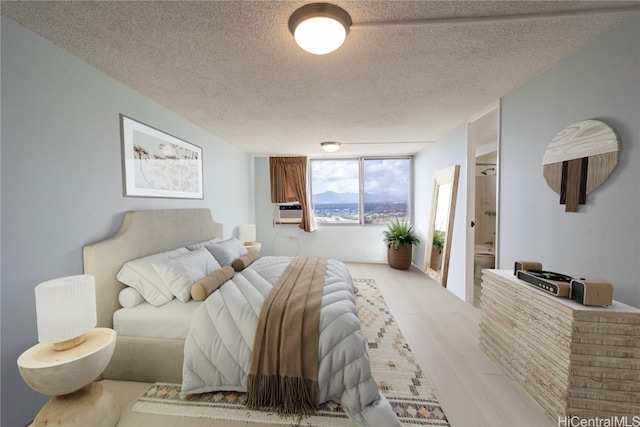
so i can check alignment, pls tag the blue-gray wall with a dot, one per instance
(602, 241)
(62, 182)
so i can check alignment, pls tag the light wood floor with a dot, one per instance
(442, 332)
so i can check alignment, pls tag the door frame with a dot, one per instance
(472, 140)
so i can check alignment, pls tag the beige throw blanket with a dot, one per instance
(283, 376)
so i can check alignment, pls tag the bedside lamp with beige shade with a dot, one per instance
(71, 354)
(248, 237)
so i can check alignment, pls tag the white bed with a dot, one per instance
(136, 358)
(170, 321)
(207, 345)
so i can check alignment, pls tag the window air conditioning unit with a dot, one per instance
(288, 213)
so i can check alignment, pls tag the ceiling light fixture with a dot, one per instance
(320, 28)
(330, 146)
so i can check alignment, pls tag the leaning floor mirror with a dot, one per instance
(443, 207)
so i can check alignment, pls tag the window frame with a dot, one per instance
(361, 187)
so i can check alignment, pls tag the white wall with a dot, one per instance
(349, 243)
(449, 151)
(62, 182)
(602, 241)
(355, 243)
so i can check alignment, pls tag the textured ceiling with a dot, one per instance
(232, 67)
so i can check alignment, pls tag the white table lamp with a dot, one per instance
(65, 310)
(72, 353)
(248, 233)
(248, 237)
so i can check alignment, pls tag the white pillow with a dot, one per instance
(203, 244)
(227, 251)
(129, 297)
(140, 275)
(183, 271)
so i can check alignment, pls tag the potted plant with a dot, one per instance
(400, 238)
(436, 251)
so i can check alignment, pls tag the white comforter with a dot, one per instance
(218, 347)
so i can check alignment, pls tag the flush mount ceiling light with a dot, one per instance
(320, 28)
(330, 146)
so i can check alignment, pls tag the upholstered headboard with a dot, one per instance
(142, 233)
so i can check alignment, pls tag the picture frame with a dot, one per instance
(156, 164)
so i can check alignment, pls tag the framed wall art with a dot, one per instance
(156, 164)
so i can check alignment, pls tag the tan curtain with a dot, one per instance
(289, 184)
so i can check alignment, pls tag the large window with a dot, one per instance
(361, 191)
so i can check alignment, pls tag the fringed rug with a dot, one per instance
(399, 378)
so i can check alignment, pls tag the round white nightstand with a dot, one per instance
(68, 375)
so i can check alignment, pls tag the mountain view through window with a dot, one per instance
(367, 190)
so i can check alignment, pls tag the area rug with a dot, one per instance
(399, 378)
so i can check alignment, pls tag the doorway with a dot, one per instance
(482, 199)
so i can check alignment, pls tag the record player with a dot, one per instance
(586, 292)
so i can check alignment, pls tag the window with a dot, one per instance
(387, 190)
(361, 191)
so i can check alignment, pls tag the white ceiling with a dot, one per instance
(232, 67)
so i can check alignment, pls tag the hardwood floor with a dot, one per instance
(442, 332)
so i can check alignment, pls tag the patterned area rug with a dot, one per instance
(398, 375)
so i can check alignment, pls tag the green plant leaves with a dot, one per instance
(400, 233)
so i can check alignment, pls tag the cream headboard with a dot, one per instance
(142, 233)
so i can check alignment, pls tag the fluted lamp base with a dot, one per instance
(68, 375)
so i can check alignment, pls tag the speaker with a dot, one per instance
(526, 265)
(589, 292)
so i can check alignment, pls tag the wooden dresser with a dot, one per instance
(574, 360)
